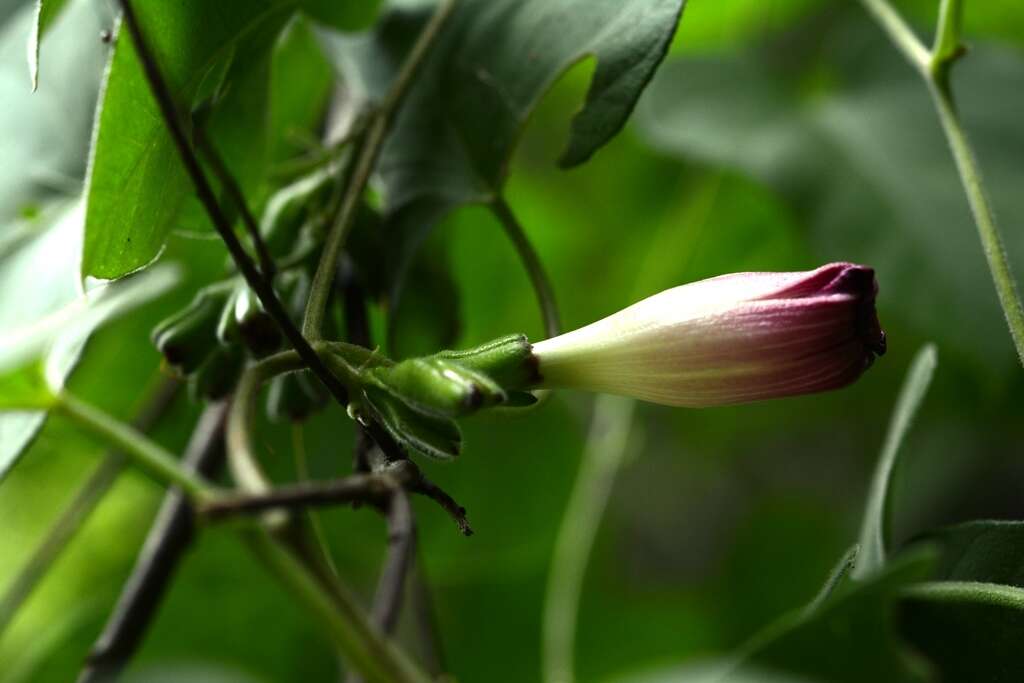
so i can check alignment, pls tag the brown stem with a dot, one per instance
(165, 544)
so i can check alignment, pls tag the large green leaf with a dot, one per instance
(876, 527)
(849, 636)
(42, 145)
(490, 67)
(458, 127)
(972, 631)
(848, 135)
(137, 186)
(989, 551)
(47, 324)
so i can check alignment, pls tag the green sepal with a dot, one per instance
(187, 337)
(509, 361)
(294, 396)
(291, 208)
(244, 320)
(218, 375)
(438, 386)
(434, 437)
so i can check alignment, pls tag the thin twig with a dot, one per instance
(204, 191)
(169, 536)
(425, 617)
(78, 510)
(531, 262)
(373, 487)
(603, 454)
(364, 488)
(387, 601)
(934, 69)
(369, 151)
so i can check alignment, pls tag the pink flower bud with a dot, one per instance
(730, 339)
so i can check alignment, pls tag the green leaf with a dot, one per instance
(488, 70)
(47, 326)
(876, 527)
(831, 132)
(43, 143)
(344, 16)
(25, 389)
(971, 631)
(301, 80)
(137, 186)
(850, 636)
(47, 12)
(434, 437)
(988, 551)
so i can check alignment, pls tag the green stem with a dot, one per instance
(934, 68)
(947, 35)
(147, 454)
(242, 460)
(531, 262)
(309, 577)
(373, 655)
(603, 455)
(902, 36)
(369, 151)
(78, 510)
(984, 218)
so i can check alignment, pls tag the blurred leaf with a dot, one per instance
(136, 185)
(988, 551)
(47, 12)
(848, 637)
(971, 631)
(850, 138)
(301, 80)
(876, 527)
(425, 315)
(709, 673)
(493, 62)
(43, 142)
(344, 16)
(50, 341)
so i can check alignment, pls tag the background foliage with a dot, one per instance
(776, 136)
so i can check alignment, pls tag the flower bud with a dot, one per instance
(729, 339)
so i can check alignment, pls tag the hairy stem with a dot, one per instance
(603, 454)
(984, 218)
(369, 151)
(78, 510)
(531, 262)
(168, 538)
(150, 456)
(934, 69)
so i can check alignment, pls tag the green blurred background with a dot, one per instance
(777, 136)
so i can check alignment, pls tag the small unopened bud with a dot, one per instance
(729, 339)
